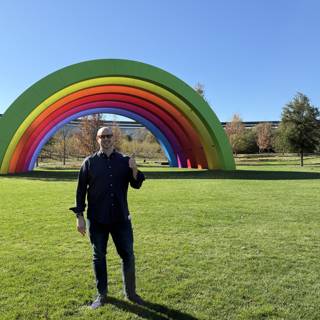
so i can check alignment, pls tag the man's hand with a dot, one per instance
(81, 225)
(133, 166)
(132, 161)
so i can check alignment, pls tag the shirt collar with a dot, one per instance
(102, 154)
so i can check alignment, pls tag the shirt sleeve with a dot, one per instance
(81, 189)
(136, 183)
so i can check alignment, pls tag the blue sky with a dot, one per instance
(251, 55)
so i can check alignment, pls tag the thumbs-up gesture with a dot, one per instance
(133, 165)
(132, 162)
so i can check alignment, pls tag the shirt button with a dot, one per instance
(109, 167)
(111, 194)
(112, 204)
(110, 184)
(110, 175)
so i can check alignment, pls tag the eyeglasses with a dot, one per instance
(105, 136)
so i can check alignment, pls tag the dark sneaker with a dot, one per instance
(135, 299)
(99, 302)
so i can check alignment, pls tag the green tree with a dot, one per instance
(301, 123)
(249, 142)
(280, 143)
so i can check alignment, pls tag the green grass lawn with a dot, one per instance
(209, 245)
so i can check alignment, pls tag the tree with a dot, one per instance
(199, 87)
(236, 133)
(117, 135)
(88, 133)
(143, 144)
(140, 134)
(150, 138)
(279, 140)
(249, 142)
(264, 136)
(47, 150)
(61, 139)
(302, 129)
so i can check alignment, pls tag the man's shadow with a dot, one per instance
(149, 310)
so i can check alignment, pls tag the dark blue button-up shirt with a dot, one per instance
(105, 181)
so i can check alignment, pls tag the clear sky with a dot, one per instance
(252, 56)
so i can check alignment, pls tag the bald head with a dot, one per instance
(104, 131)
(105, 139)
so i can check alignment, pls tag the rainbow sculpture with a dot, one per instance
(184, 124)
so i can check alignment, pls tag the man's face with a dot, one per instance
(105, 138)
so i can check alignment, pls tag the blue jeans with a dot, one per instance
(122, 237)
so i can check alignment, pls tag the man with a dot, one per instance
(104, 177)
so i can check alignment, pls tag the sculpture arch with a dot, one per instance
(184, 124)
